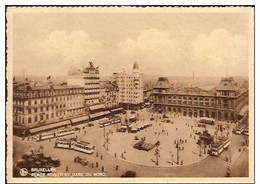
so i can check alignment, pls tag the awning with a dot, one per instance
(96, 115)
(50, 126)
(96, 107)
(83, 118)
(117, 109)
(243, 111)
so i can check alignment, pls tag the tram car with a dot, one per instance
(84, 147)
(45, 136)
(218, 147)
(65, 131)
(64, 143)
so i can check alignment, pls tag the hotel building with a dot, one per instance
(39, 105)
(225, 102)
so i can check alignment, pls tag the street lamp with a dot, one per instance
(107, 141)
(177, 147)
(157, 154)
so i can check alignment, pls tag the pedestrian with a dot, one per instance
(96, 164)
(97, 154)
(115, 154)
(116, 167)
(103, 169)
(101, 157)
(67, 168)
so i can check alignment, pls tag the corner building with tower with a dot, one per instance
(130, 88)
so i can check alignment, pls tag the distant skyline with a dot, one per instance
(166, 44)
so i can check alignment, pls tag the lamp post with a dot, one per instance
(177, 147)
(157, 154)
(107, 141)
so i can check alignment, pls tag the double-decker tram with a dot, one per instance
(65, 131)
(84, 147)
(45, 136)
(104, 122)
(64, 143)
(208, 121)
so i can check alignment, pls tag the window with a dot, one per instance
(29, 120)
(35, 119)
(47, 116)
(35, 102)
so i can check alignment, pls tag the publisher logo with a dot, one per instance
(23, 172)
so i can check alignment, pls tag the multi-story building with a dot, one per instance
(89, 79)
(225, 102)
(130, 88)
(109, 94)
(38, 105)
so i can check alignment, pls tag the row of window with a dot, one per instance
(48, 93)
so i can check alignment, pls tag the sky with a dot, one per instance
(167, 44)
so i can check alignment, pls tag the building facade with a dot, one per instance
(109, 95)
(34, 106)
(130, 88)
(225, 102)
(89, 79)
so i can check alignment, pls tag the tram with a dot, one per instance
(104, 122)
(84, 147)
(218, 147)
(65, 131)
(64, 143)
(45, 136)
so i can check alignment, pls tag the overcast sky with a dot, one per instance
(175, 44)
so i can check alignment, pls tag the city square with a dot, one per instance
(121, 156)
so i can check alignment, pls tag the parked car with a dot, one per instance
(164, 116)
(129, 174)
(151, 119)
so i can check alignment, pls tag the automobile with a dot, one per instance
(129, 174)
(164, 116)
(163, 120)
(132, 112)
(90, 124)
(168, 121)
(151, 119)
(136, 138)
(77, 128)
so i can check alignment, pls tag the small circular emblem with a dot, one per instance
(23, 172)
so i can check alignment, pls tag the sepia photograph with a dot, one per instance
(109, 94)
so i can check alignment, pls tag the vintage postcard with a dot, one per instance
(130, 94)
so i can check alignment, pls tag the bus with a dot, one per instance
(104, 122)
(45, 136)
(84, 147)
(65, 131)
(208, 121)
(67, 144)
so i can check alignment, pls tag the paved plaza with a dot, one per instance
(143, 162)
